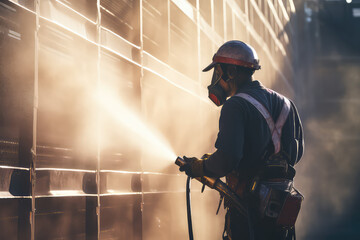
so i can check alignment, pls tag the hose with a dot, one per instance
(188, 205)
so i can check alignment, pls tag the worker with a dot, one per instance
(260, 139)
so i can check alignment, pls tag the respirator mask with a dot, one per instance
(216, 93)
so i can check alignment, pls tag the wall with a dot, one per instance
(98, 98)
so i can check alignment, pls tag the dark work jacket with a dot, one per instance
(244, 135)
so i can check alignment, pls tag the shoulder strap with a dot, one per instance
(275, 128)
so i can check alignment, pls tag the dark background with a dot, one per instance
(328, 87)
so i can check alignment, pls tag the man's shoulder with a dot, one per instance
(236, 105)
(235, 102)
(260, 93)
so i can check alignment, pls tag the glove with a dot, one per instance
(205, 156)
(193, 168)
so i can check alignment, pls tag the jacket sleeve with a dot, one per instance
(229, 142)
(219, 164)
(299, 134)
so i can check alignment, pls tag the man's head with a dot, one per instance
(236, 76)
(234, 63)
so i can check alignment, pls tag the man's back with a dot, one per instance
(245, 136)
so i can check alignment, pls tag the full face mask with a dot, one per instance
(216, 93)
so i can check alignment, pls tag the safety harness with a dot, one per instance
(275, 128)
(278, 199)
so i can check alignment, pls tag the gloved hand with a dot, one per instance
(206, 156)
(194, 167)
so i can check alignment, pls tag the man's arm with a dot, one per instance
(229, 145)
(219, 164)
(229, 142)
(299, 134)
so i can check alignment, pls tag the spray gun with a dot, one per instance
(221, 187)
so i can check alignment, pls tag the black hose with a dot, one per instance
(188, 205)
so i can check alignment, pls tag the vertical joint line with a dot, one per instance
(98, 85)
(142, 103)
(34, 130)
(198, 30)
(168, 28)
(225, 20)
(247, 20)
(212, 15)
(233, 24)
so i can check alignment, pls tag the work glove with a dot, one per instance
(193, 168)
(206, 156)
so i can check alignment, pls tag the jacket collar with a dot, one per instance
(250, 85)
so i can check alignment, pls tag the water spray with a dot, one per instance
(114, 107)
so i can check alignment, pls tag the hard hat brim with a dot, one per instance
(211, 65)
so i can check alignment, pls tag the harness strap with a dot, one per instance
(275, 128)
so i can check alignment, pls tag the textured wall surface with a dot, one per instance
(98, 97)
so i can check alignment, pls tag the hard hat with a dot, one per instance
(236, 53)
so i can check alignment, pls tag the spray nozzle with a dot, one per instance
(180, 161)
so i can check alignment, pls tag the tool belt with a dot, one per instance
(276, 198)
(279, 201)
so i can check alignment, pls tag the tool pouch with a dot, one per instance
(279, 201)
(290, 209)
